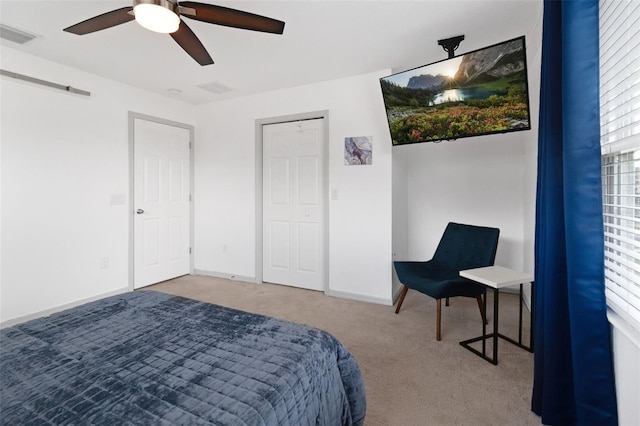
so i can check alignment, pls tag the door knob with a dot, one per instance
(139, 211)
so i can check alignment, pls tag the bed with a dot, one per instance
(151, 358)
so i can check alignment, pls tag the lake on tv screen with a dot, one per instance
(465, 93)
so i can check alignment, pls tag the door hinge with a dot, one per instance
(189, 197)
(189, 250)
(189, 144)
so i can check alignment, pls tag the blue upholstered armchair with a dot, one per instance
(461, 247)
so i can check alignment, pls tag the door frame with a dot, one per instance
(324, 115)
(132, 117)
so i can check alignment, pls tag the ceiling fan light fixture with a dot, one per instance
(157, 15)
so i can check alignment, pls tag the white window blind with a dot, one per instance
(620, 140)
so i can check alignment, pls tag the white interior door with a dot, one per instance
(293, 204)
(161, 202)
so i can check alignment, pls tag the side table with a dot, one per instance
(497, 277)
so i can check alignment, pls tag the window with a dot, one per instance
(620, 140)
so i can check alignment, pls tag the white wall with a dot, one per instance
(534, 64)
(63, 156)
(359, 220)
(476, 181)
(400, 212)
(626, 357)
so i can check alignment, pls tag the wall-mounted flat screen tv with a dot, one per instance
(477, 93)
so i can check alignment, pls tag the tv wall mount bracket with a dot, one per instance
(450, 45)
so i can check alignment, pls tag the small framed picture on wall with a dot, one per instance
(357, 150)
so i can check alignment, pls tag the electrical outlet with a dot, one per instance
(104, 263)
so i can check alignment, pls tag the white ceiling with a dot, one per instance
(322, 40)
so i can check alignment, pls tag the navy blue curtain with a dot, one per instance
(573, 371)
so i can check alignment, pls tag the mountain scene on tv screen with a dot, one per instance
(480, 93)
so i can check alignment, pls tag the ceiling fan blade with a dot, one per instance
(101, 22)
(190, 43)
(230, 17)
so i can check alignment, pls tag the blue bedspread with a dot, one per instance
(150, 358)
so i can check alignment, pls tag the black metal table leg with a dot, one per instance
(519, 342)
(496, 333)
(496, 299)
(466, 343)
(484, 324)
(520, 317)
(533, 310)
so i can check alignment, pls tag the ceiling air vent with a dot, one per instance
(15, 35)
(215, 88)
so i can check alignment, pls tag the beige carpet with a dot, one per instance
(410, 378)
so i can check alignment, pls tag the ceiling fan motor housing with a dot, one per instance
(167, 4)
(157, 15)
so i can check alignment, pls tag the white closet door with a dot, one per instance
(293, 204)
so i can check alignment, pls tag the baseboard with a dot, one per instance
(359, 297)
(47, 312)
(396, 295)
(232, 277)
(527, 301)
(341, 294)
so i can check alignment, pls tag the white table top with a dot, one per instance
(496, 276)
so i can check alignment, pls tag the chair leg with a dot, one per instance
(447, 302)
(401, 299)
(439, 304)
(482, 312)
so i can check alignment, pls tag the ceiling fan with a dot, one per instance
(164, 16)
